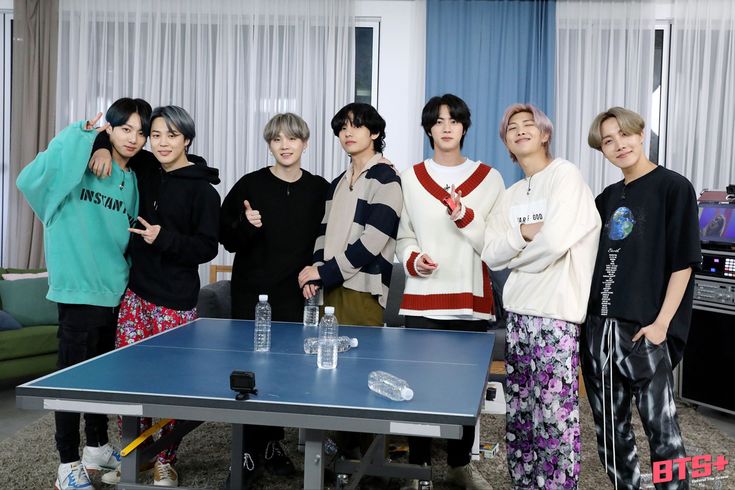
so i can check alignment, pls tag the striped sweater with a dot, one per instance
(357, 237)
(461, 286)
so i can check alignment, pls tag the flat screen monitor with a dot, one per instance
(717, 223)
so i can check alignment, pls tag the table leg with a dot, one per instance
(236, 456)
(131, 463)
(313, 459)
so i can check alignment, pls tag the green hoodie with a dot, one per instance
(85, 219)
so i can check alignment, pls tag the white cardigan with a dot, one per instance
(460, 286)
(550, 275)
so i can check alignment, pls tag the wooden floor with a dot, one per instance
(498, 367)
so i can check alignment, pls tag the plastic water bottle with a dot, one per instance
(311, 344)
(262, 339)
(311, 312)
(326, 354)
(389, 386)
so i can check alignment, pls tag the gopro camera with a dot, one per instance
(244, 383)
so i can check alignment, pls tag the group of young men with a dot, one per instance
(604, 282)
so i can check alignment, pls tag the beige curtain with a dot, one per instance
(33, 99)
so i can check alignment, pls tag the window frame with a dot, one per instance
(374, 24)
(6, 57)
(665, 26)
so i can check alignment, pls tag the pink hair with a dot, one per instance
(542, 122)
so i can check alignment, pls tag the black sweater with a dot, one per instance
(268, 259)
(186, 206)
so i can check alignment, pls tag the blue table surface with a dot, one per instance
(445, 369)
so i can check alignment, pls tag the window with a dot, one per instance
(367, 43)
(657, 147)
(6, 36)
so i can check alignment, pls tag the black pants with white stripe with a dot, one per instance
(616, 370)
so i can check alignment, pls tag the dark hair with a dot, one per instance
(458, 111)
(121, 110)
(360, 115)
(177, 119)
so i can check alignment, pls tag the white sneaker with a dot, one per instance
(467, 477)
(104, 458)
(164, 475)
(113, 477)
(71, 476)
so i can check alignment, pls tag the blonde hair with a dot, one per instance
(630, 123)
(289, 124)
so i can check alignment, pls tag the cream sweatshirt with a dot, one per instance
(550, 275)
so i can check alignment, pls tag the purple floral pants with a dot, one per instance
(542, 393)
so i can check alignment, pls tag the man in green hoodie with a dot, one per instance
(86, 223)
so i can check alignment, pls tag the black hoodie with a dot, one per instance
(186, 206)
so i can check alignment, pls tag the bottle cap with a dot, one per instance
(329, 310)
(353, 342)
(406, 393)
(263, 297)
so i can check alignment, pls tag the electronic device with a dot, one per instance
(708, 353)
(717, 220)
(244, 383)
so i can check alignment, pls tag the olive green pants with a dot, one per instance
(354, 307)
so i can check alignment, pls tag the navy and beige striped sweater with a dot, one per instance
(357, 238)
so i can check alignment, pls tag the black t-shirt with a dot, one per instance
(268, 259)
(650, 231)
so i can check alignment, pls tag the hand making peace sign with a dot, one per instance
(149, 234)
(89, 125)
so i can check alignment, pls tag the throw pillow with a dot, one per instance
(7, 322)
(25, 300)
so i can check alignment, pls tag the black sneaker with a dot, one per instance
(276, 459)
(250, 472)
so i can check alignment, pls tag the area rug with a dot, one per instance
(28, 459)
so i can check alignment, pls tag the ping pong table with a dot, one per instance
(184, 374)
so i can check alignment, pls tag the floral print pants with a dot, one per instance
(138, 320)
(542, 393)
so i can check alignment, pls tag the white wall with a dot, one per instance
(6, 4)
(401, 77)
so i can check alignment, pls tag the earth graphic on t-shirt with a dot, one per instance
(621, 224)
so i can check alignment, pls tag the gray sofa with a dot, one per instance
(214, 302)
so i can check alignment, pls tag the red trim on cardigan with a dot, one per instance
(453, 301)
(475, 179)
(469, 215)
(411, 264)
(466, 187)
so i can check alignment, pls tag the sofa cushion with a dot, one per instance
(25, 300)
(215, 300)
(395, 297)
(7, 322)
(13, 270)
(12, 276)
(33, 341)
